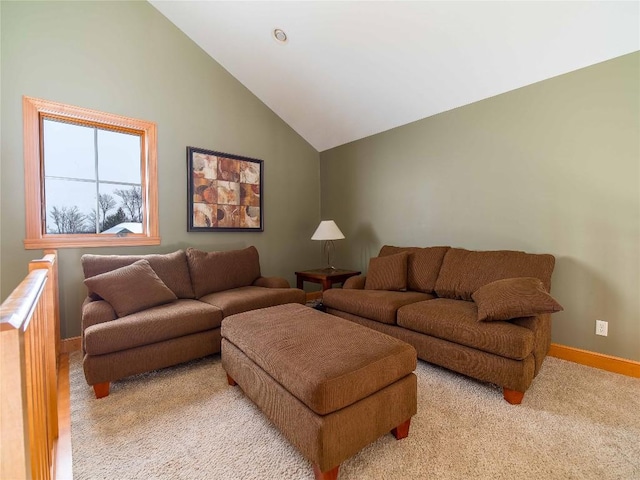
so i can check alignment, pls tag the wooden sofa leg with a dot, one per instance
(328, 475)
(101, 389)
(402, 430)
(514, 397)
(231, 381)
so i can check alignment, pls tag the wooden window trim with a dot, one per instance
(32, 108)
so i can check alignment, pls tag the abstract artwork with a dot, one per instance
(224, 192)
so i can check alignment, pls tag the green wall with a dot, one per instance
(552, 167)
(126, 58)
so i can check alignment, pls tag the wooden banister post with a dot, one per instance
(29, 332)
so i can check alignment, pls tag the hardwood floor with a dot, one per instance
(64, 463)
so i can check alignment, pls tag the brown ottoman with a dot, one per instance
(331, 386)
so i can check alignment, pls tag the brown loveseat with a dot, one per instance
(485, 314)
(151, 311)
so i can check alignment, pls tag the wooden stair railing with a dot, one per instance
(29, 343)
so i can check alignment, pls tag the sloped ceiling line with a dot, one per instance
(353, 69)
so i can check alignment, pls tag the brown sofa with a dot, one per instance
(147, 312)
(485, 314)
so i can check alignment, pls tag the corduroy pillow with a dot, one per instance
(172, 268)
(423, 265)
(217, 271)
(387, 273)
(465, 271)
(513, 298)
(131, 289)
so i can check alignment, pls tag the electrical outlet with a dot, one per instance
(602, 328)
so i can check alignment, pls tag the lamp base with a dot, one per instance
(329, 247)
(328, 269)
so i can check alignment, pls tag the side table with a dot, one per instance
(324, 276)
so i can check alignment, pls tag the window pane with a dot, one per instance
(125, 202)
(68, 150)
(118, 157)
(70, 206)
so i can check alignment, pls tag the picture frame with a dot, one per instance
(225, 192)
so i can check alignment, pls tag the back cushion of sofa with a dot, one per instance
(464, 271)
(217, 271)
(172, 268)
(422, 267)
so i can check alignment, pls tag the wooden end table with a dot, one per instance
(324, 276)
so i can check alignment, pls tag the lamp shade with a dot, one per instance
(327, 230)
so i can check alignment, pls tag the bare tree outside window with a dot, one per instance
(68, 220)
(105, 203)
(71, 220)
(132, 202)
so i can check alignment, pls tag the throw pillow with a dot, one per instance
(132, 288)
(172, 268)
(513, 298)
(423, 265)
(217, 271)
(387, 273)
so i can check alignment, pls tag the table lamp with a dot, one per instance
(328, 231)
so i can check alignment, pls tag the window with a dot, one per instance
(90, 177)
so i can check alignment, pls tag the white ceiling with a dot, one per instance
(353, 69)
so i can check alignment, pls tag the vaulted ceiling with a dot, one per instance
(352, 69)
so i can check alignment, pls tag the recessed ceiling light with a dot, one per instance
(280, 36)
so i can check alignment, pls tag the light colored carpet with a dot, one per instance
(185, 422)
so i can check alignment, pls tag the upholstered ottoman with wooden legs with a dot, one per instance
(329, 385)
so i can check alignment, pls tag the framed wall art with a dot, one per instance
(225, 192)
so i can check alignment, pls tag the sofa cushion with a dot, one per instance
(176, 319)
(242, 299)
(387, 273)
(423, 265)
(132, 288)
(172, 268)
(271, 282)
(457, 322)
(513, 298)
(464, 271)
(378, 305)
(217, 271)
